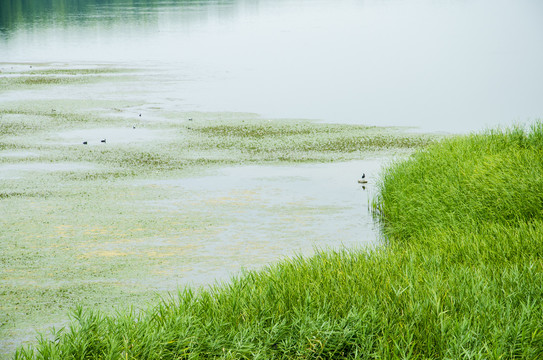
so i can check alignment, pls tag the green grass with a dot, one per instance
(460, 277)
(492, 178)
(88, 225)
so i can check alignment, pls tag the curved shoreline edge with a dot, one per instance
(461, 277)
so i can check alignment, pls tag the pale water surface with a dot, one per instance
(275, 212)
(439, 65)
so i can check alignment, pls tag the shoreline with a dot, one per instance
(82, 227)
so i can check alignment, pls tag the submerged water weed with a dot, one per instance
(333, 305)
(38, 80)
(18, 124)
(23, 120)
(461, 277)
(31, 78)
(206, 142)
(301, 140)
(76, 225)
(82, 71)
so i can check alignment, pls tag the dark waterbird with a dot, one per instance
(362, 180)
(103, 140)
(84, 143)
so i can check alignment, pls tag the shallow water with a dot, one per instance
(94, 136)
(109, 244)
(452, 66)
(24, 170)
(273, 212)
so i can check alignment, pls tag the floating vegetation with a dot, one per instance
(70, 210)
(29, 78)
(461, 277)
(83, 71)
(297, 140)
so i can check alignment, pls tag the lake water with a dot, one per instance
(438, 65)
(274, 212)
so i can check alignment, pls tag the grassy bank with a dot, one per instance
(461, 277)
(114, 224)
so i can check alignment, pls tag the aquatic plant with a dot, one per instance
(50, 176)
(61, 76)
(297, 140)
(461, 276)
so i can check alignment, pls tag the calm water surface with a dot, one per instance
(274, 212)
(439, 65)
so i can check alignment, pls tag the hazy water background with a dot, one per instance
(439, 65)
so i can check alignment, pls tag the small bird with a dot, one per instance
(140, 115)
(84, 143)
(133, 126)
(103, 140)
(362, 180)
(190, 119)
(363, 175)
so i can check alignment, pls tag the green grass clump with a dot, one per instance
(467, 183)
(461, 277)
